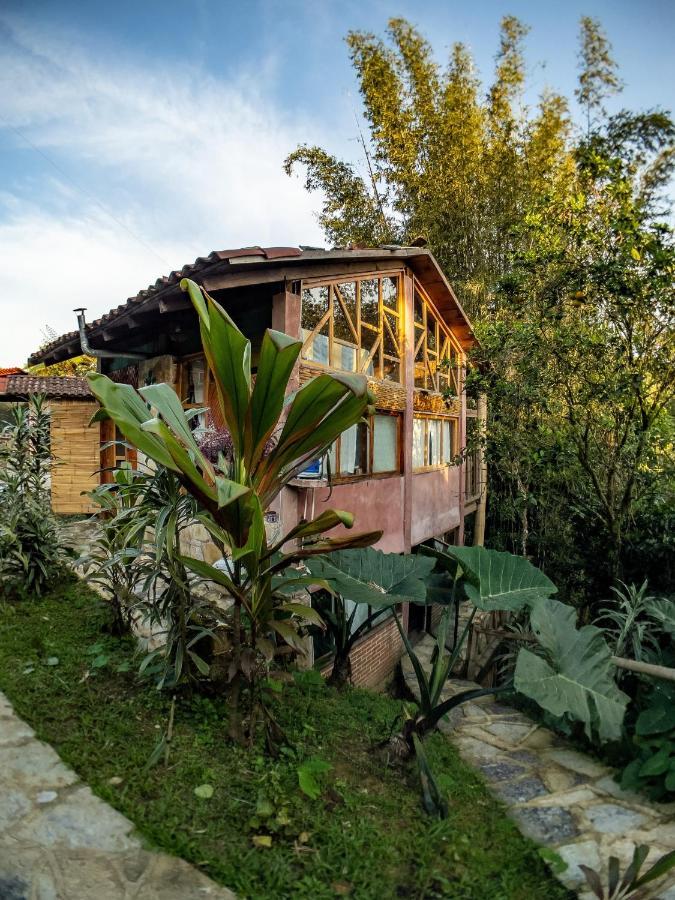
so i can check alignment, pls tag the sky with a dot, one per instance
(136, 136)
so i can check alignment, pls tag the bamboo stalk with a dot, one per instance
(633, 665)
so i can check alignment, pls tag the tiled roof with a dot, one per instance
(53, 386)
(188, 271)
(229, 262)
(11, 370)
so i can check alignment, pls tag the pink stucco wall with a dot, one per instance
(435, 503)
(376, 504)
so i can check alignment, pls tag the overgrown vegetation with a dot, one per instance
(31, 556)
(365, 834)
(556, 238)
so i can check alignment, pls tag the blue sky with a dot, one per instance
(136, 136)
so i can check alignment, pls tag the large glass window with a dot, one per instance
(437, 357)
(434, 441)
(370, 447)
(354, 326)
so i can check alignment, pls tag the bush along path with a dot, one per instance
(558, 797)
(58, 840)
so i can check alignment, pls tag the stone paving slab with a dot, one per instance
(58, 841)
(558, 797)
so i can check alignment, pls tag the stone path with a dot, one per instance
(60, 842)
(557, 796)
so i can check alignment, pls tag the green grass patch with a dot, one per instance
(365, 835)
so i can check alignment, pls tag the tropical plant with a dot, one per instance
(631, 884)
(111, 560)
(652, 770)
(233, 494)
(352, 574)
(629, 623)
(571, 674)
(31, 554)
(170, 602)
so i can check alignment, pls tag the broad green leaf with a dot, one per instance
(500, 581)
(309, 774)
(373, 577)
(657, 764)
(303, 611)
(329, 518)
(656, 720)
(228, 354)
(663, 610)
(165, 400)
(204, 791)
(126, 408)
(577, 675)
(278, 355)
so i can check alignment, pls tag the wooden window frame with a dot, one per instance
(375, 353)
(336, 478)
(182, 383)
(447, 347)
(454, 439)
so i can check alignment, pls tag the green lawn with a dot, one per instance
(365, 836)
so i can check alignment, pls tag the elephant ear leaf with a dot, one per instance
(500, 581)
(575, 675)
(371, 576)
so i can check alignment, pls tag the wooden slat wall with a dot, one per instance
(76, 448)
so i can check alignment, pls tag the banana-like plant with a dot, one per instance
(570, 674)
(273, 438)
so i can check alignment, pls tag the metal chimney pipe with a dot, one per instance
(101, 354)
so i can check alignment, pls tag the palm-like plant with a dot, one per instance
(234, 493)
(630, 622)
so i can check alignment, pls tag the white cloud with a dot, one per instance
(51, 266)
(185, 162)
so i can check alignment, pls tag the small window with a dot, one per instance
(354, 447)
(194, 389)
(385, 443)
(434, 442)
(370, 447)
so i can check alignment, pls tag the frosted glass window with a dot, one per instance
(385, 443)
(354, 450)
(418, 443)
(434, 454)
(447, 441)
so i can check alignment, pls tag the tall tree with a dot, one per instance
(598, 75)
(444, 162)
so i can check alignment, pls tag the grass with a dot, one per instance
(365, 836)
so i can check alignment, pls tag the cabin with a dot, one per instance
(75, 447)
(386, 312)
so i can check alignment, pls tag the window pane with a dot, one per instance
(391, 369)
(314, 306)
(369, 306)
(418, 443)
(385, 443)
(390, 292)
(332, 459)
(447, 441)
(344, 348)
(354, 450)
(317, 349)
(196, 381)
(434, 427)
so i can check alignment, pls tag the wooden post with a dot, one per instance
(479, 522)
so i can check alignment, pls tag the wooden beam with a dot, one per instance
(175, 304)
(298, 272)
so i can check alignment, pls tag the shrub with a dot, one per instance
(31, 556)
